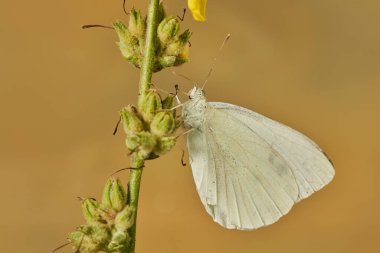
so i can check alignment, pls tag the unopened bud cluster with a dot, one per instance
(150, 130)
(171, 47)
(107, 222)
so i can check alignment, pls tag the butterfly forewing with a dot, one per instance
(241, 179)
(310, 166)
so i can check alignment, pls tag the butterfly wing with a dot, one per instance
(243, 182)
(310, 165)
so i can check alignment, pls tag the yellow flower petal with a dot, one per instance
(198, 9)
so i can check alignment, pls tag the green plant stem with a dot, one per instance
(145, 82)
(149, 54)
(134, 190)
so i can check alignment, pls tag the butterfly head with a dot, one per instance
(196, 92)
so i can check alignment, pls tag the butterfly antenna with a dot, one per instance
(215, 58)
(162, 90)
(60, 247)
(185, 77)
(101, 26)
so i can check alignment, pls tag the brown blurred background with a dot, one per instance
(313, 65)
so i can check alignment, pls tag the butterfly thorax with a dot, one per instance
(194, 109)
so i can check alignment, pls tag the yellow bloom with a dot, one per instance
(198, 9)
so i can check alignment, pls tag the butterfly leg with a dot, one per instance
(171, 109)
(184, 133)
(162, 90)
(170, 93)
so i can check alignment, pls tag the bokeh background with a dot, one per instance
(313, 65)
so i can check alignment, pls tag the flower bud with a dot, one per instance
(185, 36)
(150, 104)
(167, 103)
(106, 200)
(147, 142)
(114, 195)
(132, 142)
(183, 56)
(119, 242)
(75, 238)
(166, 62)
(179, 46)
(125, 219)
(118, 195)
(131, 120)
(165, 144)
(162, 124)
(128, 44)
(137, 24)
(90, 210)
(168, 29)
(172, 49)
(161, 12)
(122, 32)
(90, 238)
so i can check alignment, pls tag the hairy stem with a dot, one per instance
(133, 190)
(145, 82)
(149, 54)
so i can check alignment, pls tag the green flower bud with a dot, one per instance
(185, 36)
(132, 142)
(137, 24)
(168, 29)
(90, 210)
(131, 120)
(175, 52)
(167, 103)
(150, 104)
(106, 198)
(118, 195)
(114, 195)
(147, 142)
(165, 144)
(179, 46)
(161, 12)
(166, 61)
(128, 44)
(125, 219)
(119, 242)
(75, 238)
(122, 32)
(163, 124)
(183, 56)
(90, 238)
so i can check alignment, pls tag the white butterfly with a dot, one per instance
(249, 170)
